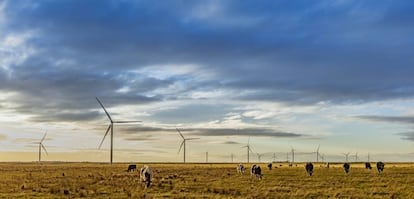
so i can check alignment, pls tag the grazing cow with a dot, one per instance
(346, 167)
(269, 166)
(290, 164)
(258, 172)
(132, 167)
(368, 165)
(309, 168)
(241, 169)
(380, 167)
(253, 170)
(146, 174)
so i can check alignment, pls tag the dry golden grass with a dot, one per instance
(92, 180)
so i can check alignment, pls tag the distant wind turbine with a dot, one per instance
(317, 153)
(293, 153)
(346, 156)
(259, 156)
(248, 150)
(111, 127)
(42, 146)
(356, 156)
(183, 142)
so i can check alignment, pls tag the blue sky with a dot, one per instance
(284, 73)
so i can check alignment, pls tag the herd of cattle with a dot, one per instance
(257, 171)
(146, 172)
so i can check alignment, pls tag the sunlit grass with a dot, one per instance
(63, 180)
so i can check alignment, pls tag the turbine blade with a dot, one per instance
(44, 148)
(104, 109)
(107, 131)
(127, 121)
(181, 146)
(43, 137)
(180, 133)
(317, 150)
(192, 138)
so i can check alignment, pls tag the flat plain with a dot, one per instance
(215, 180)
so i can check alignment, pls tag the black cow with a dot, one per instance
(309, 168)
(132, 167)
(380, 167)
(346, 167)
(368, 165)
(269, 166)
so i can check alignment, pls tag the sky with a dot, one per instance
(277, 75)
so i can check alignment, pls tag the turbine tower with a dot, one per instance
(346, 156)
(183, 142)
(42, 146)
(248, 150)
(293, 154)
(111, 127)
(317, 153)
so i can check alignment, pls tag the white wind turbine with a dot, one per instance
(317, 153)
(42, 146)
(111, 127)
(248, 150)
(293, 153)
(346, 156)
(183, 142)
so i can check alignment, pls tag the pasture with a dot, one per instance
(99, 180)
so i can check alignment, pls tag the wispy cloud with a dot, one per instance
(396, 119)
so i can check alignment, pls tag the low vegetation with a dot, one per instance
(93, 180)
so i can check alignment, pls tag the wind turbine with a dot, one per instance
(42, 146)
(259, 156)
(293, 153)
(356, 156)
(248, 150)
(368, 157)
(111, 127)
(183, 142)
(346, 156)
(317, 153)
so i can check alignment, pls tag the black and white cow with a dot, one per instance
(132, 167)
(253, 170)
(269, 166)
(368, 165)
(346, 167)
(240, 169)
(309, 168)
(380, 167)
(145, 175)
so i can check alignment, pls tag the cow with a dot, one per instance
(380, 167)
(368, 165)
(240, 169)
(253, 170)
(327, 165)
(132, 167)
(258, 172)
(145, 175)
(290, 164)
(309, 168)
(269, 166)
(346, 167)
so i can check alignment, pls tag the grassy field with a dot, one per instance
(93, 180)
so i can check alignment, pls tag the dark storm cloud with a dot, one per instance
(397, 119)
(231, 142)
(297, 52)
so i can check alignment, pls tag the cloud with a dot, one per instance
(231, 142)
(409, 136)
(393, 119)
(254, 132)
(3, 137)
